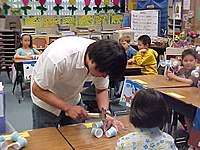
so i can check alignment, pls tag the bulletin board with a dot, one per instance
(145, 22)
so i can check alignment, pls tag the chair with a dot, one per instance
(13, 23)
(19, 77)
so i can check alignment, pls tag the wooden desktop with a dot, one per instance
(157, 81)
(81, 138)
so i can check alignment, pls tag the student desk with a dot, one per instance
(189, 95)
(81, 138)
(133, 69)
(183, 101)
(46, 139)
(157, 81)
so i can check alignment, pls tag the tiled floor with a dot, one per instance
(18, 114)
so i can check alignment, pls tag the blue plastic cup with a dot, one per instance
(15, 135)
(2, 138)
(21, 142)
(97, 125)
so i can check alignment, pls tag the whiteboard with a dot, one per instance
(145, 22)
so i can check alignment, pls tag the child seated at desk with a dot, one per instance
(125, 41)
(26, 50)
(146, 56)
(189, 60)
(148, 113)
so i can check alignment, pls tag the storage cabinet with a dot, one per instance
(177, 14)
(8, 43)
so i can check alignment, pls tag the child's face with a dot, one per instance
(142, 46)
(189, 62)
(124, 44)
(25, 41)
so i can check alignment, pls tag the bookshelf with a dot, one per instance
(8, 43)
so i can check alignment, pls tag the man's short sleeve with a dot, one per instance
(101, 83)
(47, 74)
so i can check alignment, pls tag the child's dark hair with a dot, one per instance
(109, 56)
(148, 109)
(189, 52)
(31, 41)
(145, 39)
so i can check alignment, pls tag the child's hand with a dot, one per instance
(130, 61)
(143, 50)
(29, 57)
(170, 75)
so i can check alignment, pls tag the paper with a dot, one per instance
(145, 22)
(140, 81)
(88, 125)
(185, 17)
(28, 69)
(175, 95)
(186, 5)
(130, 88)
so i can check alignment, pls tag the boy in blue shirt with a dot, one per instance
(125, 41)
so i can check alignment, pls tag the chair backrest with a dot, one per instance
(12, 23)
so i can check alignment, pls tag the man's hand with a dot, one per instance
(77, 113)
(111, 121)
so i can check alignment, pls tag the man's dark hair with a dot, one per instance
(148, 109)
(145, 39)
(189, 52)
(109, 56)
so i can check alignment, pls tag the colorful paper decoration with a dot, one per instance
(41, 7)
(25, 7)
(72, 7)
(57, 8)
(97, 8)
(87, 8)
(6, 7)
(116, 7)
(106, 7)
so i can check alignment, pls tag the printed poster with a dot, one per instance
(129, 90)
(186, 5)
(28, 69)
(84, 20)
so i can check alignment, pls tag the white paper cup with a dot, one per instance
(97, 132)
(111, 132)
(97, 125)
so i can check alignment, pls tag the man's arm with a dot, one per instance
(103, 102)
(102, 98)
(75, 112)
